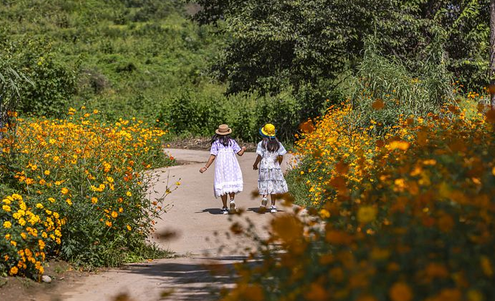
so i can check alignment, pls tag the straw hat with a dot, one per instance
(223, 130)
(268, 131)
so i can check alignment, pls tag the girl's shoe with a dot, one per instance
(232, 206)
(273, 209)
(225, 210)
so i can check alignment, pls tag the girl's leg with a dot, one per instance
(264, 200)
(272, 197)
(274, 208)
(224, 200)
(232, 207)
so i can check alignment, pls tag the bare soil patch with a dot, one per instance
(25, 289)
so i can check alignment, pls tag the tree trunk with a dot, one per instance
(492, 53)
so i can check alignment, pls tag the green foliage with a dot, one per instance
(295, 44)
(402, 93)
(46, 84)
(199, 114)
(126, 57)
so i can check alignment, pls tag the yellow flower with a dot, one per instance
(108, 223)
(128, 228)
(17, 197)
(402, 145)
(324, 213)
(7, 224)
(110, 179)
(114, 214)
(94, 200)
(39, 206)
(6, 208)
(51, 200)
(47, 172)
(400, 292)
(41, 244)
(64, 190)
(13, 243)
(23, 206)
(366, 214)
(474, 295)
(486, 266)
(128, 193)
(69, 202)
(13, 271)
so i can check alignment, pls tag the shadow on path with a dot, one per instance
(192, 281)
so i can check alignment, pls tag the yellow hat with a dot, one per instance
(268, 130)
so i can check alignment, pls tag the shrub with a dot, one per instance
(50, 83)
(419, 226)
(29, 232)
(93, 175)
(384, 82)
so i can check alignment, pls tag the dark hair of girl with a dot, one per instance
(223, 139)
(271, 144)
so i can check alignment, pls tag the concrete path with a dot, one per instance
(194, 214)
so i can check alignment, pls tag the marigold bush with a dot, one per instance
(419, 226)
(81, 190)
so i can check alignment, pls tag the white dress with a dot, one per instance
(228, 174)
(270, 178)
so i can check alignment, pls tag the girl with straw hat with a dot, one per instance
(228, 175)
(270, 177)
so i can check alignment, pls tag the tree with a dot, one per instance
(279, 43)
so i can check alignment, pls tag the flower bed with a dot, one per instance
(80, 191)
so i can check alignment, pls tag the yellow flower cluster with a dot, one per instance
(417, 226)
(25, 233)
(85, 172)
(336, 153)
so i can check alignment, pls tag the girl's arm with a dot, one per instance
(210, 161)
(241, 152)
(256, 162)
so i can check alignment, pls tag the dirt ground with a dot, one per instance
(205, 253)
(24, 289)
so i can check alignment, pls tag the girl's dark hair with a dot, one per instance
(271, 144)
(223, 139)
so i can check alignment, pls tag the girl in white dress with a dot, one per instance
(270, 177)
(228, 174)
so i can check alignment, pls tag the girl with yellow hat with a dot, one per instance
(271, 180)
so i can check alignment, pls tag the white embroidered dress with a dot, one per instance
(270, 178)
(228, 174)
